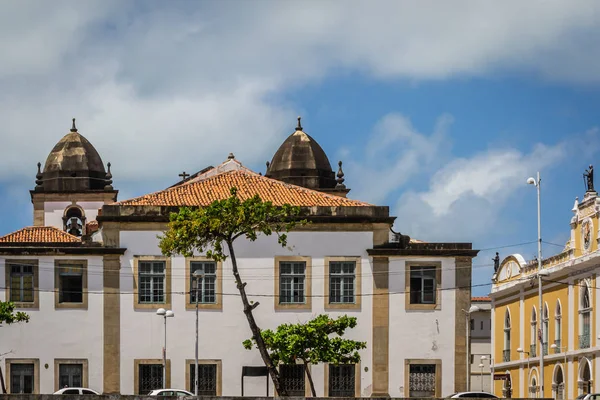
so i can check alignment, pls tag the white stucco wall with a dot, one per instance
(54, 211)
(222, 332)
(421, 334)
(57, 333)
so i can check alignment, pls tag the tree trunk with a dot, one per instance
(2, 382)
(253, 327)
(310, 380)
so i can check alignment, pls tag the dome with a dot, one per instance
(301, 161)
(73, 165)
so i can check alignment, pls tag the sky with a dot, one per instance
(439, 110)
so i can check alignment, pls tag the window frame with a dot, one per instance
(218, 304)
(58, 263)
(357, 380)
(191, 363)
(356, 305)
(145, 361)
(137, 305)
(438, 374)
(65, 361)
(8, 263)
(437, 305)
(307, 283)
(307, 392)
(36, 372)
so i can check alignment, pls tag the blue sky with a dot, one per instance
(440, 111)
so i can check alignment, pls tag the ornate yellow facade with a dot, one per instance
(566, 330)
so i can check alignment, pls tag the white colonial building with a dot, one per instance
(90, 274)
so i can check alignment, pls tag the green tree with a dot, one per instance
(312, 342)
(8, 314)
(209, 229)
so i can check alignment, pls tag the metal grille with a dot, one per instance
(291, 282)
(21, 378)
(557, 349)
(341, 281)
(584, 341)
(70, 375)
(422, 285)
(532, 350)
(150, 378)
(506, 355)
(151, 282)
(342, 380)
(207, 383)
(21, 283)
(207, 285)
(292, 379)
(421, 380)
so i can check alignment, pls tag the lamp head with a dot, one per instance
(553, 346)
(483, 358)
(198, 274)
(543, 272)
(161, 311)
(531, 181)
(519, 350)
(473, 309)
(169, 313)
(481, 365)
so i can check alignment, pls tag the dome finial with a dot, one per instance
(108, 179)
(299, 127)
(73, 128)
(39, 176)
(340, 177)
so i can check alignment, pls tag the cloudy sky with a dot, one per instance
(440, 110)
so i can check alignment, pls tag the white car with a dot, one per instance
(170, 392)
(76, 390)
(475, 395)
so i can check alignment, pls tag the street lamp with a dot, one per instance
(536, 183)
(472, 309)
(165, 314)
(197, 276)
(520, 350)
(554, 347)
(481, 368)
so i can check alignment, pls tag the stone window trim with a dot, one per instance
(136, 299)
(84, 283)
(82, 361)
(357, 379)
(438, 282)
(438, 374)
(218, 305)
(307, 392)
(357, 284)
(36, 282)
(145, 361)
(36, 372)
(191, 363)
(307, 305)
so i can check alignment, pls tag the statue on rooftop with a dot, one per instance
(589, 178)
(496, 262)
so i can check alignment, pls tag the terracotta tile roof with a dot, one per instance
(481, 298)
(202, 192)
(39, 234)
(91, 227)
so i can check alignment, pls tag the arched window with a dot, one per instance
(533, 387)
(545, 327)
(74, 221)
(585, 315)
(532, 348)
(558, 384)
(585, 376)
(557, 327)
(506, 352)
(507, 387)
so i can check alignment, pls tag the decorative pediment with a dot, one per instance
(511, 267)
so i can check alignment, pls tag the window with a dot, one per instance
(21, 283)
(342, 380)
(292, 379)
(207, 383)
(70, 375)
(422, 285)
(342, 277)
(472, 324)
(506, 351)
(422, 380)
(207, 284)
(533, 333)
(150, 378)
(481, 325)
(584, 316)
(545, 326)
(291, 282)
(558, 327)
(151, 281)
(70, 284)
(22, 378)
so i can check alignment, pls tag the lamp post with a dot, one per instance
(484, 358)
(481, 368)
(165, 314)
(197, 276)
(536, 183)
(520, 350)
(472, 309)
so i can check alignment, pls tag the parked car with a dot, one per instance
(476, 395)
(588, 396)
(76, 390)
(170, 392)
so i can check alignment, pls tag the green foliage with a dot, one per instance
(8, 314)
(205, 229)
(312, 342)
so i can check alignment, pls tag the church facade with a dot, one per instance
(106, 305)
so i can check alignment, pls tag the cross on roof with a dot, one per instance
(184, 175)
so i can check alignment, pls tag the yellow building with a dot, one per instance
(566, 330)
